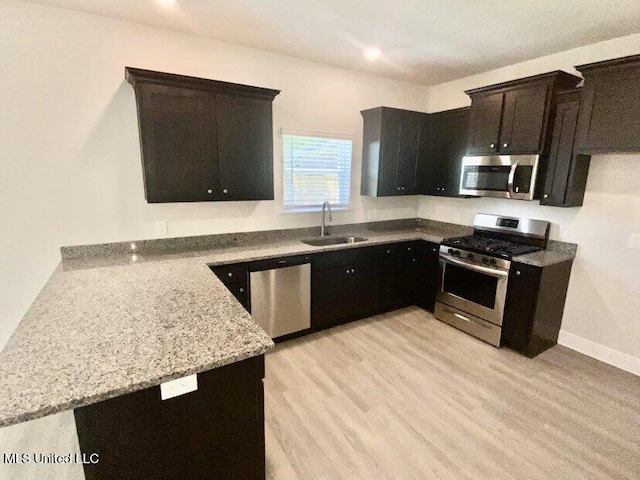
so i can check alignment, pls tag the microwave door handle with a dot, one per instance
(494, 272)
(512, 176)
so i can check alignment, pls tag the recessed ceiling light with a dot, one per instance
(372, 53)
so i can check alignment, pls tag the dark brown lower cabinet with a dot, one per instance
(398, 272)
(215, 432)
(427, 276)
(356, 283)
(235, 277)
(534, 306)
(344, 293)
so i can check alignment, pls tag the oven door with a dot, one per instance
(473, 288)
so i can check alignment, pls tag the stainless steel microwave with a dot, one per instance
(502, 176)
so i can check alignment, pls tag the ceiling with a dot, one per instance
(423, 41)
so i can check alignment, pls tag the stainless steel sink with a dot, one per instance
(323, 241)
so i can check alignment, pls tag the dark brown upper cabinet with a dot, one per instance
(610, 111)
(513, 117)
(440, 165)
(203, 140)
(392, 145)
(567, 171)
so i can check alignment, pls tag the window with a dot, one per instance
(317, 167)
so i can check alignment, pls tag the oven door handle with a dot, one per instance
(494, 272)
(512, 176)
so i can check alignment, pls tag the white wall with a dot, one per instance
(70, 159)
(603, 304)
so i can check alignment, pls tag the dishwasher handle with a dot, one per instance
(282, 262)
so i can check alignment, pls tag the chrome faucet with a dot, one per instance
(323, 221)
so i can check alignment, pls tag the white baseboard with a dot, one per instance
(621, 360)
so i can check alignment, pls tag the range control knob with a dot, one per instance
(450, 251)
(492, 261)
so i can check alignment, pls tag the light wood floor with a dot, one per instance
(403, 396)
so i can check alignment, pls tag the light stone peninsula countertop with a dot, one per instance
(117, 318)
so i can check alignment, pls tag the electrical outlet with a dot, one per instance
(161, 227)
(634, 241)
(178, 387)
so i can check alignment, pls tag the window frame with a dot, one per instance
(310, 133)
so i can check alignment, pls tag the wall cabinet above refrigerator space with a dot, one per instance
(203, 140)
(610, 112)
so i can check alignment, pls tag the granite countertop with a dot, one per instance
(117, 318)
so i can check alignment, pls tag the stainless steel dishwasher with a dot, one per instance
(281, 294)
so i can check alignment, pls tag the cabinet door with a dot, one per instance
(427, 276)
(561, 154)
(484, 126)
(523, 120)
(610, 114)
(440, 167)
(344, 293)
(400, 149)
(179, 150)
(520, 305)
(397, 278)
(411, 135)
(245, 146)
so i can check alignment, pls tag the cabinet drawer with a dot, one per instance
(233, 273)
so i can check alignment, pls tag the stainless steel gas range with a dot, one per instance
(474, 272)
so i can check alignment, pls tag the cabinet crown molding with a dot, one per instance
(630, 61)
(136, 76)
(561, 79)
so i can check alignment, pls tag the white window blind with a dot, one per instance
(316, 168)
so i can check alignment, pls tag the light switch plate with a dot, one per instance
(634, 241)
(161, 227)
(180, 386)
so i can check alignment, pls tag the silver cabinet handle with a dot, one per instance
(434, 249)
(388, 251)
(518, 272)
(494, 272)
(546, 196)
(229, 274)
(209, 191)
(225, 191)
(493, 145)
(241, 290)
(505, 145)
